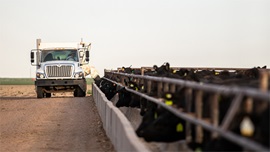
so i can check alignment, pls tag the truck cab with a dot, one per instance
(59, 68)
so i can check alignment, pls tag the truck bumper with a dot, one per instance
(61, 83)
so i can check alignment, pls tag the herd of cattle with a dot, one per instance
(160, 125)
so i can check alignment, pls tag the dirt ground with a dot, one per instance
(59, 123)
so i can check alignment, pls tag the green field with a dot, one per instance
(26, 81)
(89, 80)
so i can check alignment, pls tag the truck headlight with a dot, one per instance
(40, 75)
(79, 75)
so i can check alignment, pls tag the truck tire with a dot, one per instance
(48, 95)
(79, 92)
(75, 93)
(40, 93)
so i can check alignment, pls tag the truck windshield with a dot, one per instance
(56, 55)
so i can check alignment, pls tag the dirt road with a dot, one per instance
(60, 123)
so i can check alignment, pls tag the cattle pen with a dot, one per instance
(201, 111)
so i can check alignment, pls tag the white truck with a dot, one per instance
(60, 67)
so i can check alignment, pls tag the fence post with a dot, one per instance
(264, 77)
(172, 88)
(166, 87)
(248, 105)
(215, 112)
(188, 98)
(159, 91)
(142, 71)
(264, 80)
(198, 112)
(149, 85)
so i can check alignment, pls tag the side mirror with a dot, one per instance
(32, 57)
(87, 56)
(35, 57)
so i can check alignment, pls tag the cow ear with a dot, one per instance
(168, 68)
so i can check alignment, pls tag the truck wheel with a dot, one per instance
(48, 95)
(40, 93)
(75, 93)
(79, 92)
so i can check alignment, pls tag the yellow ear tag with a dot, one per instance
(131, 85)
(174, 71)
(216, 73)
(169, 102)
(168, 95)
(247, 127)
(179, 127)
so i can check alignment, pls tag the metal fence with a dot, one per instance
(211, 124)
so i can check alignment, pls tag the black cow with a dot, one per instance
(161, 125)
(165, 128)
(222, 144)
(97, 80)
(130, 70)
(148, 117)
(108, 88)
(162, 71)
(259, 120)
(124, 98)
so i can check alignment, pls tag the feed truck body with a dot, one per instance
(60, 67)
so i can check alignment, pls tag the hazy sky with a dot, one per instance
(193, 33)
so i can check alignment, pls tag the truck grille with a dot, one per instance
(59, 71)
